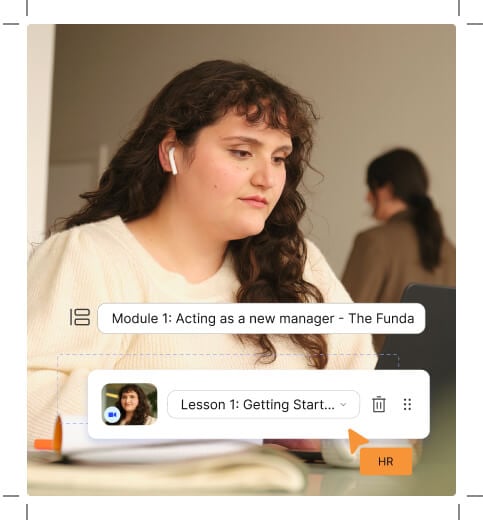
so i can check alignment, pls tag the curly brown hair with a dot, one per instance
(269, 265)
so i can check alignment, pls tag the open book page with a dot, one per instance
(81, 465)
(253, 470)
(71, 441)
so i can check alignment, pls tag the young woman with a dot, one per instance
(200, 204)
(410, 246)
(134, 406)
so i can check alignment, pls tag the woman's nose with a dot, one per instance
(264, 174)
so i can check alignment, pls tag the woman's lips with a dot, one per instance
(255, 201)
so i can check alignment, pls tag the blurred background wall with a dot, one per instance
(374, 87)
(40, 67)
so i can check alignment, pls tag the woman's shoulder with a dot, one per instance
(384, 238)
(101, 236)
(376, 233)
(83, 260)
(319, 272)
(448, 246)
(315, 256)
(316, 262)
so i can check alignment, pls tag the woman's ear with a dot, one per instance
(385, 193)
(168, 142)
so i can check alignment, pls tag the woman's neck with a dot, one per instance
(178, 245)
(391, 208)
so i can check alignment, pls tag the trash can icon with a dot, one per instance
(378, 404)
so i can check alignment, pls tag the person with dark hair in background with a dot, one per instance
(410, 245)
(200, 204)
(134, 406)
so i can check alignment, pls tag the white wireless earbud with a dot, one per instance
(172, 161)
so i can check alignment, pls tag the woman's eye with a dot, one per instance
(279, 160)
(242, 154)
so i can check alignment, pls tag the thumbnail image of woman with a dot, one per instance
(200, 204)
(134, 406)
(410, 246)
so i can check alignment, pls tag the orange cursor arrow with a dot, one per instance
(356, 440)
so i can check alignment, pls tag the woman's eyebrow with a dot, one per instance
(250, 140)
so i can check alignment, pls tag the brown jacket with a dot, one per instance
(385, 259)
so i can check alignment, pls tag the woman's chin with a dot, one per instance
(248, 231)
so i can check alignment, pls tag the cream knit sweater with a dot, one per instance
(103, 262)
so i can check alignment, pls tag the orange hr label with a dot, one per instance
(386, 461)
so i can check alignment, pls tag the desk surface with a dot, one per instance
(428, 478)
